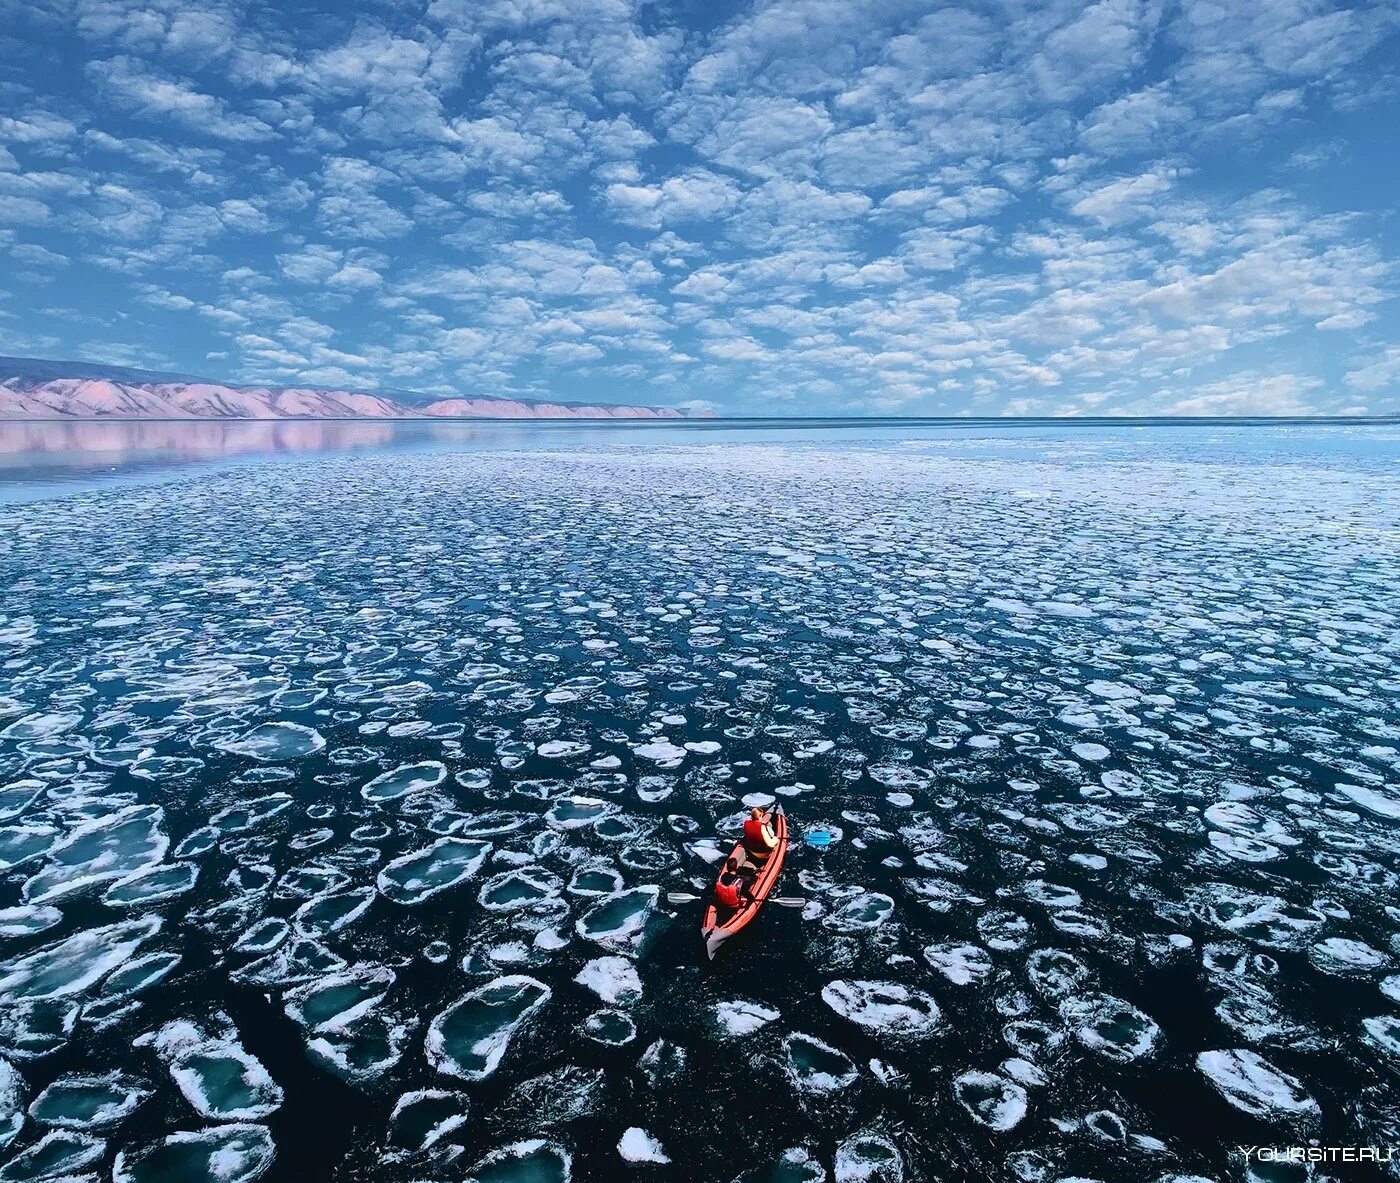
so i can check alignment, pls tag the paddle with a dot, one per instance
(786, 901)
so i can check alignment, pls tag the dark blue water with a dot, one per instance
(344, 785)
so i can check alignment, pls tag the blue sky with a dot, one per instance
(804, 206)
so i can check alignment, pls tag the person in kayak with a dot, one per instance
(759, 839)
(734, 889)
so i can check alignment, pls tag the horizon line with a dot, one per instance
(723, 420)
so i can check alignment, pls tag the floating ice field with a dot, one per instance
(339, 803)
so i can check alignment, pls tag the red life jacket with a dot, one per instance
(755, 840)
(727, 894)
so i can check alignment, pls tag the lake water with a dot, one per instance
(345, 770)
(42, 459)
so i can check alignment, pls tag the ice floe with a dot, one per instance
(1110, 1026)
(868, 1157)
(611, 1027)
(817, 1067)
(422, 874)
(468, 1039)
(26, 920)
(99, 851)
(219, 1079)
(859, 910)
(336, 1001)
(636, 1145)
(514, 891)
(58, 1155)
(618, 921)
(886, 1007)
(275, 741)
(960, 964)
(332, 912)
(994, 1101)
(12, 1093)
(155, 884)
(423, 1118)
(406, 779)
(738, 1017)
(140, 973)
(1251, 1083)
(613, 979)
(237, 1153)
(74, 964)
(81, 1101)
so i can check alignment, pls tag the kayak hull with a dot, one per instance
(714, 931)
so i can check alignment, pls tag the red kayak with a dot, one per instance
(716, 932)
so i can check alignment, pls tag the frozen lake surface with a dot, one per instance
(341, 788)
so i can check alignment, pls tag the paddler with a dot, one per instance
(759, 839)
(733, 889)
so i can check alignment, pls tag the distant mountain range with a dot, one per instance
(31, 388)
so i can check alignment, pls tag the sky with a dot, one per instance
(868, 207)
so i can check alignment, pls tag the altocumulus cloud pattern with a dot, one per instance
(803, 206)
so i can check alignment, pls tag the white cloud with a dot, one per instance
(462, 342)
(925, 207)
(968, 204)
(693, 195)
(741, 349)
(128, 83)
(762, 136)
(244, 216)
(1379, 373)
(941, 250)
(1133, 122)
(23, 211)
(709, 283)
(36, 127)
(373, 60)
(885, 272)
(1244, 394)
(1100, 46)
(1124, 199)
(867, 157)
(364, 217)
(33, 255)
(519, 203)
(571, 353)
(356, 270)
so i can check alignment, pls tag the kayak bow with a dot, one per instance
(716, 933)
